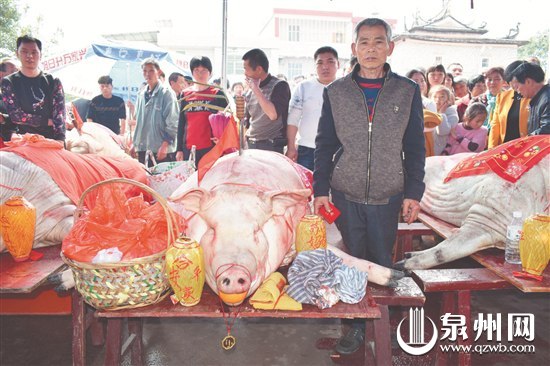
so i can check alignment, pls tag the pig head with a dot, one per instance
(243, 214)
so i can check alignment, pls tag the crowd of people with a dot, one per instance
(364, 135)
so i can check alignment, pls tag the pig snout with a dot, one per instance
(234, 280)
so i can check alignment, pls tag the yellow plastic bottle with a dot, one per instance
(185, 270)
(18, 222)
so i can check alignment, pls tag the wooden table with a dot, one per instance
(22, 289)
(493, 259)
(210, 307)
(27, 276)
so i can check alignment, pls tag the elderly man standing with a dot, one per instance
(266, 106)
(370, 153)
(35, 101)
(304, 111)
(156, 116)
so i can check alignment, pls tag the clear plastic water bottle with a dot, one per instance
(513, 234)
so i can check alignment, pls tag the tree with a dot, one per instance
(538, 47)
(9, 26)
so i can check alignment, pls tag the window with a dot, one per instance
(337, 37)
(293, 69)
(484, 62)
(234, 64)
(438, 60)
(294, 33)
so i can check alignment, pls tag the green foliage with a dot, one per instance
(9, 25)
(538, 47)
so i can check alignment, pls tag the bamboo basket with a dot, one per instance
(126, 284)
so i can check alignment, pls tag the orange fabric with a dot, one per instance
(431, 121)
(500, 117)
(72, 172)
(229, 139)
(509, 161)
(78, 121)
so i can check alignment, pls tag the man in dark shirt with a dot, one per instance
(35, 101)
(266, 110)
(108, 109)
(530, 84)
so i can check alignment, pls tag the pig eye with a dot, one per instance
(241, 281)
(226, 281)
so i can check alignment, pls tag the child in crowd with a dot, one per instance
(470, 135)
(444, 101)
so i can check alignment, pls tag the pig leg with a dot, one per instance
(466, 241)
(376, 274)
(64, 280)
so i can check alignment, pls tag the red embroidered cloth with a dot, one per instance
(509, 161)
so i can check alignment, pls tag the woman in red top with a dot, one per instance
(194, 127)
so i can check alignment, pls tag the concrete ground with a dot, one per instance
(40, 340)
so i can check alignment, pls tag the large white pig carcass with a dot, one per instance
(244, 214)
(481, 205)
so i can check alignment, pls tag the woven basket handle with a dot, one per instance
(170, 219)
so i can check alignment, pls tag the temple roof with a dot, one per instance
(444, 22)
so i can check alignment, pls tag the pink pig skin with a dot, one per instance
(243, 214)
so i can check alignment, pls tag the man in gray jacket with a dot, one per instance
(156, 117)
(370, 153)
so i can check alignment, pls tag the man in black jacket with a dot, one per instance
(529, 78)
(370, 153)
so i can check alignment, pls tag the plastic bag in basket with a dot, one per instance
(165, 178)
(136, 227)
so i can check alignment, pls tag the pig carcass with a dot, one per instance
(94, 138)
(481, 205)
(244, 214)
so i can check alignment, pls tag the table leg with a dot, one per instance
(113, 341)
(79, 329)
(382, 337)
(464, 297)
(135, 327)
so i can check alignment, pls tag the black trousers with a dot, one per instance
(268, 145)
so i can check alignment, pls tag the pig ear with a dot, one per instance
(281, 201)
(192, 199)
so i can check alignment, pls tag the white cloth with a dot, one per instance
(305, 109)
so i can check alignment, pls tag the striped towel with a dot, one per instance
(321, 267)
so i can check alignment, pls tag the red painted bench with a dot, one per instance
(456, 286)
